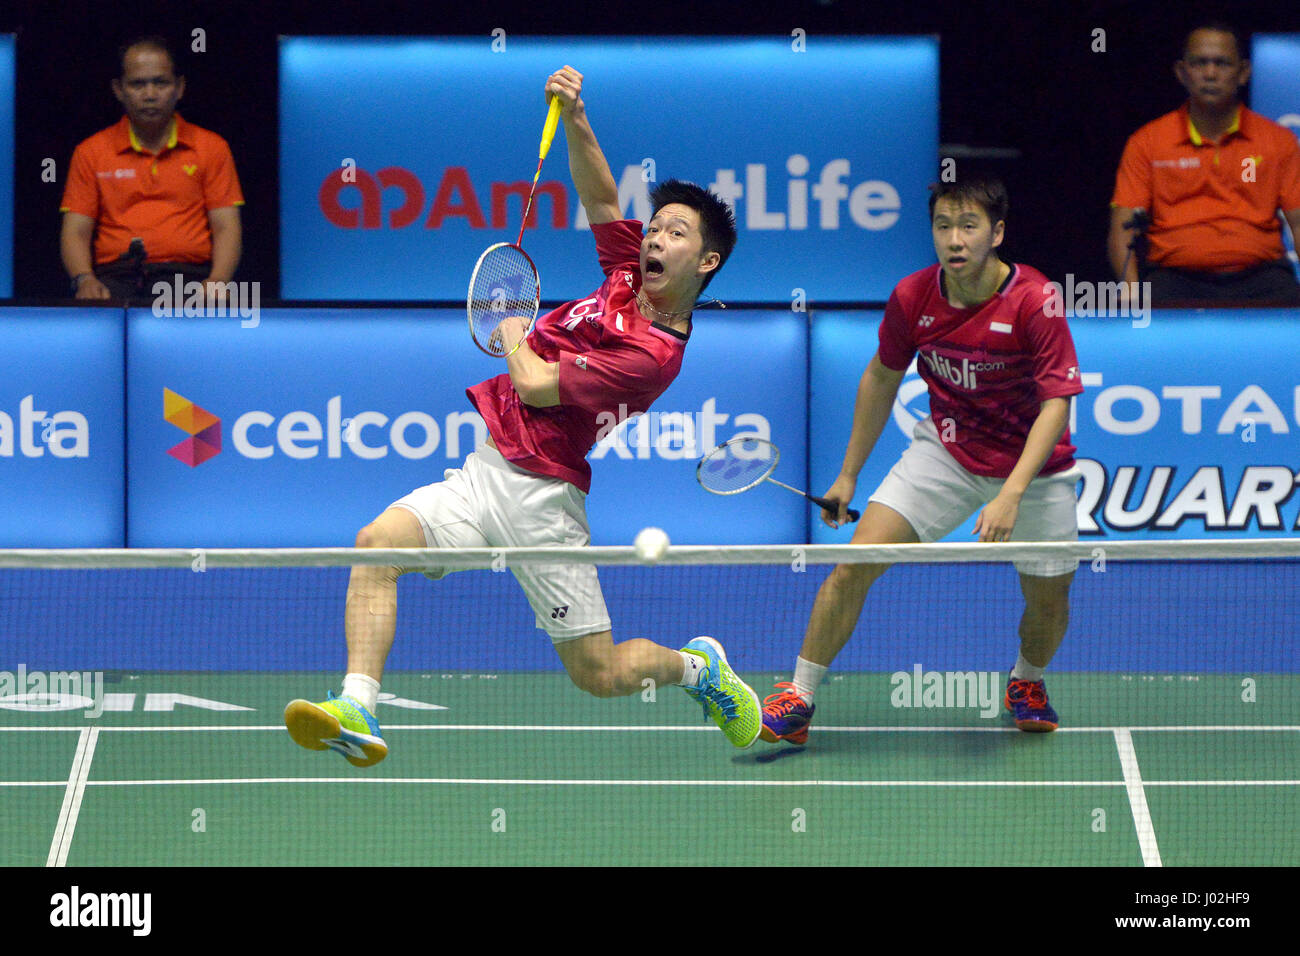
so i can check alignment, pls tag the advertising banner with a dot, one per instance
(1185, 429)
(61, 420)
(402, 159)
(298, 431)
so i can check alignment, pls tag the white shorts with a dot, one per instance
(490, 503)
(936, 494)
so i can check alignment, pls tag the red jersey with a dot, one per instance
(988, 368)
(613, 363)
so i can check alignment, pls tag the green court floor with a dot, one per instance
(195, 769)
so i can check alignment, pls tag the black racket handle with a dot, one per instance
(834, 508)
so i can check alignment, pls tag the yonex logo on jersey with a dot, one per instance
(580, 361)
(1072, 372)
(925, 321)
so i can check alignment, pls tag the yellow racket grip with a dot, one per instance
(548, 131)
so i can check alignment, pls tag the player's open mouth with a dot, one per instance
(653, 267)
(956, 260)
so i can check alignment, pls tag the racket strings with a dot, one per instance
(505, 284)
(737, 465)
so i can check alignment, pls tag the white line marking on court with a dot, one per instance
(560, 782)
(1137, 798)
(691, 728)
(67, 824)
(712, 783)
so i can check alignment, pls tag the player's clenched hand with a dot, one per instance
(841, 493)
(509, 332)
(998, 518)
(566, 83)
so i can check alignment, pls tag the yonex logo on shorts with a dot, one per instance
(558, 613)
(580, 361)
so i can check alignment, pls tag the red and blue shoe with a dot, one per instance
(1027, 701)
(786, 716)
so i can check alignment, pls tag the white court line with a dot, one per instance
(68, 813)
(688, 728)
(492, 781)
(1137, 799)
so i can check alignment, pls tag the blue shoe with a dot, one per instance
(726, 698)
(1027, 700)
(786, 716)
(341, 724)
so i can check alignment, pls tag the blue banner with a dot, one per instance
(61, 417)
(1275, 86)
(8, 61)
(301, 428)
(402, 159)
(1186, 428)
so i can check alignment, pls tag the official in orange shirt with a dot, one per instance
(1210, 179)
(153, 177)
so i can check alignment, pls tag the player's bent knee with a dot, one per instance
(596, 681)
(855, 577)
(373, 536)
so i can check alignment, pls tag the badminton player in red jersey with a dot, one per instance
(1000, 372)
(610, 353)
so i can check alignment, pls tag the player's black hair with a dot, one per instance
(717, 222)
(1218, 26)
(987, 192)
(153, 42)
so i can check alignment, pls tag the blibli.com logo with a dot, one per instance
(303, 434)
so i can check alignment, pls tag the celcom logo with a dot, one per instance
(302, 435)
(201, 425)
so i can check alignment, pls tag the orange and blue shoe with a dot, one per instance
(340, 724)
(786, 716)
(1027, 701)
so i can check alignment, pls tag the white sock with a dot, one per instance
(1025, 670)
(364, 690)
(694, 666)
(807, 676)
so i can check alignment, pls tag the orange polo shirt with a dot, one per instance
(1206, 212)
(163, 197)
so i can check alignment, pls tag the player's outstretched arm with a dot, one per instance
(597, 190)
(871, 410)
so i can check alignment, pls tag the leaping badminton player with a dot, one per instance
(1000, 372)
(619, 347)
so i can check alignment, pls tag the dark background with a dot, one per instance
(1017, 76)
